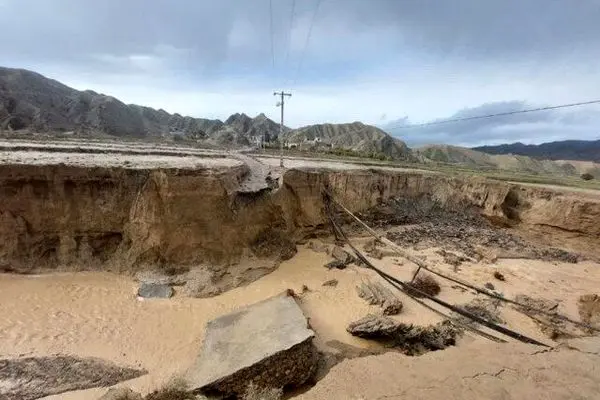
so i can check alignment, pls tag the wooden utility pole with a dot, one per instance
(281, 104)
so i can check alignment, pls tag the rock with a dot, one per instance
(391, 307)
(121, 394)
(318, 247)
(489, 286)
(155, 290)
(342, 255)
(267, 343)
(331, 282)
(499, 276)
(335, 264)
(377, 294)
(374, 327)
(30, 378)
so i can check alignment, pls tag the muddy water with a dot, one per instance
(97, 314)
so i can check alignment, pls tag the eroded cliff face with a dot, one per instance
(131, 219)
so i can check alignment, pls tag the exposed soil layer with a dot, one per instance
(129, 219)
(34, 377)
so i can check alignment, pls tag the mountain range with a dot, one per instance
(31, 102)
(582, 150)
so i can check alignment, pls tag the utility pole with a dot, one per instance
(281, 104)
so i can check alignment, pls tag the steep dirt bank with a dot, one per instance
(128, 219)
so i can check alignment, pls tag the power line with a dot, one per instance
(289, 44)
(310, 28)
(447, 121)
(271, 29)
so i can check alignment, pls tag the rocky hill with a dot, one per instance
(582, 150)
(31, 101)
(356, 137)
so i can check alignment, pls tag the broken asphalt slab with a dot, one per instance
(267, 343)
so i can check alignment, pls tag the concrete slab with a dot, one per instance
(268, 343)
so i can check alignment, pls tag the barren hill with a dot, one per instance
(356, 136)
(582, 150)
(31, 101)
(507, 162)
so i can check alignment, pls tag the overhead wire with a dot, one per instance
(447, 121)
(308, 36)
(291, 30)
(272, 33)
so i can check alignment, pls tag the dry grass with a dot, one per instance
(426, 284)
(175, 390)
(253, 392)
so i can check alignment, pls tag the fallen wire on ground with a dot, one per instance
(423, 265)
(406, 288)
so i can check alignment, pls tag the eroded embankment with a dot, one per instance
(131, 219)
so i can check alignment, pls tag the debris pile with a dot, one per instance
(424, 222)
(410, 339)
(377, 294)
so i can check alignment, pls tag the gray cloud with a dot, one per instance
(79, 31)
(535, 127)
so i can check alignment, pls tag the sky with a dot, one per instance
(389, 63)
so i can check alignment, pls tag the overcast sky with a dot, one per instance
(377, 61)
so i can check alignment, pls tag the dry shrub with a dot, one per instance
(175, 390)
(587, 176)
(426, 284)
(253, 392)
(589, 309)
(499, 276)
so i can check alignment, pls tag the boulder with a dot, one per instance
(155, 290)
(342, 255)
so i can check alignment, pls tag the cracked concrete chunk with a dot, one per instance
(268, 343)
(155, 290)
